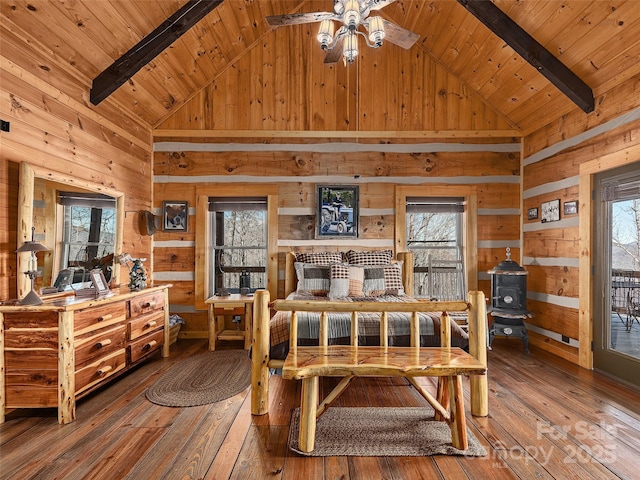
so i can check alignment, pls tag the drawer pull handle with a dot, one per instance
(103, 343)
(108, 316)
(150, 345)
(104, 370)
(149, 304)
(150, 324)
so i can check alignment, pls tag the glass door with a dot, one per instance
(617, 280)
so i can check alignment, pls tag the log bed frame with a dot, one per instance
(406, 356)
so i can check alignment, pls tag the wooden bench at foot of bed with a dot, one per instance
(443, 362)
(310, 363)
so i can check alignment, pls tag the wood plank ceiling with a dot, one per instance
(597, 40)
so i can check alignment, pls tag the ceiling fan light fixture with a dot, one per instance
(350, 49)
(376, 31)
(325, 34)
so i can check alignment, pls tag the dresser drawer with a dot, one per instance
(97, 371)
(145, 345)
(98, 343)
(146, 303)
(228, 309)
(98, 317)
(140, 326)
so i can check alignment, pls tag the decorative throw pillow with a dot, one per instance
(375, 257)
(319, 258)
(346, 281)
(383, 280)
(313, 279)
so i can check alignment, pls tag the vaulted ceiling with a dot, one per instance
(598, 40)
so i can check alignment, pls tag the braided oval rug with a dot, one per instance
(204, 378)
(381, 432)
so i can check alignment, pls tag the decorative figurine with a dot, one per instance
(137, 276)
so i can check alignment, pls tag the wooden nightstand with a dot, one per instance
(221, 312)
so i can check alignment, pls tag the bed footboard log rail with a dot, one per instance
(260, 354)
(479, 384)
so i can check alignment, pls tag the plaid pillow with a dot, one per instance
(319, 258)
(375, 257)
(313, 279)
(383, 280)
(346, 281)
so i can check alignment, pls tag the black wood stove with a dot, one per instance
(509, 301)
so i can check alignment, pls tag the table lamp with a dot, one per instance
(32, 246)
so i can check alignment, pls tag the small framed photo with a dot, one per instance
(337, 211)
(532, 213)
(571, 208)
(99, 282)
(63, 280)
(551, 211)
(175, 216)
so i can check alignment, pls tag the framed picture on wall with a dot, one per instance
(175, 216)
(551, 211)
(571, 208)
(532, 213)
(337, 211)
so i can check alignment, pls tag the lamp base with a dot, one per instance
(31, 298)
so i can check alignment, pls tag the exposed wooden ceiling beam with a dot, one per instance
(534, 53)
(149, 47)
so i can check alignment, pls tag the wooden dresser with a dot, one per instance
(54, 353)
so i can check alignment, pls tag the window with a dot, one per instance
(239, 241)
(88, 234)
(435, 236)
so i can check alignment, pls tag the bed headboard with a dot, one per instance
(290, 280)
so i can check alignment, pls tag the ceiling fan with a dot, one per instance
(354, 16)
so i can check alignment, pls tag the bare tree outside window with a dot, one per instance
(435, 238)
(626, 235)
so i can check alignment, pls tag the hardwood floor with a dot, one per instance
(548, 419)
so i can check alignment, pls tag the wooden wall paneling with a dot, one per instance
(560, 281)
(28, 103)
(498, 227)
(255, 102)
(296, 227)
(377, 226)
(35, 69)
(612, 141)
(440, 103)
(374, 164)
(553, 346)
(172, 259)
(552, 242)
(490, 257)
(269, 86)
(504, 195)
(562, 320)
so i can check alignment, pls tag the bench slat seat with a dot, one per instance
(344, 360)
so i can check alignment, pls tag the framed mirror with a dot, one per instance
(40, 205)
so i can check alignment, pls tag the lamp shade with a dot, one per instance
(350, 51)
(31, 246)
(376, 31)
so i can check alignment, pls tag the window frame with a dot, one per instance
(214, 248)
(203, 234)
(470, 221)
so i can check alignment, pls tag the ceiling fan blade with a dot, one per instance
(335, 53)
(299, 18)
(382, 4)
(399, 36)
